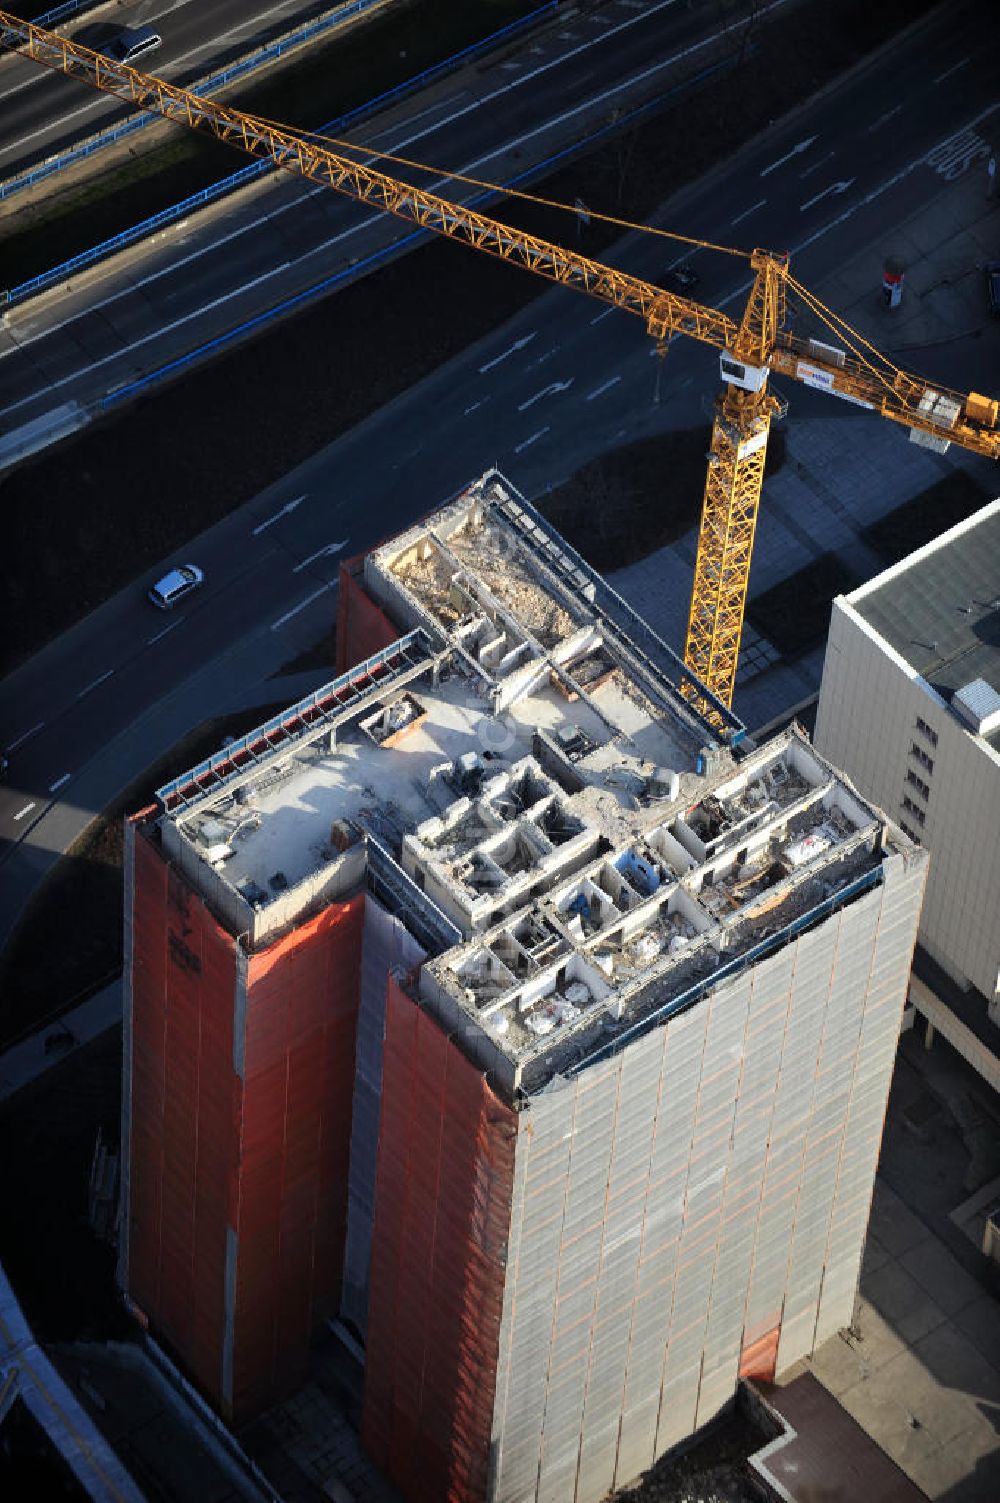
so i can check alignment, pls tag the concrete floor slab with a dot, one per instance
(980, 1322)
(874, 1255)
(902, 1301)
(955, 1363)
(840, 1364)
(940, 1274)
(895, 1226)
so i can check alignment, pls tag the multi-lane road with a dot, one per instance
(564, 381)
(282, 236)
(43, 114)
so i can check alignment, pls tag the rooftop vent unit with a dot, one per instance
(978, 706)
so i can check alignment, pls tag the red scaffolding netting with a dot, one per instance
(301, 1016)
(363, 628)
(184, 1118)
(442, 1217)
(238, 1153)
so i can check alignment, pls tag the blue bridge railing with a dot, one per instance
(234, 180)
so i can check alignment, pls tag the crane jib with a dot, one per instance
(750, 350)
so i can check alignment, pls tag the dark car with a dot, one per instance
(681, 279)
(132, 43)
(992, 269)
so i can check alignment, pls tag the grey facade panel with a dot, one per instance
(691, 1194)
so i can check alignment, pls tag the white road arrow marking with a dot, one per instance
(833, 188)
(321, 553)
(795, 151)
(546, 391)
(518, 344)
(288, 506)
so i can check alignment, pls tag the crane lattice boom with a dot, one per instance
(749, 350)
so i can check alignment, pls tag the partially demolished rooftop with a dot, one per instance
(519, 777)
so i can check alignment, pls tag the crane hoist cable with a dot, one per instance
(507, 191)
(750, 348)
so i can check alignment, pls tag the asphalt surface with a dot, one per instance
(562, 382)
(280, 236)
(44, 113)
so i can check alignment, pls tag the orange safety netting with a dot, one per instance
(759, 1358)
(184, 1113)
(301, 1016)
(251, 1164)
(442, 1218)
(363, 628)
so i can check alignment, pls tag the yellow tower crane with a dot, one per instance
(749, 349)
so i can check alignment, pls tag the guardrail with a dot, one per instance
(339, 16)
(413, 237)
(63, 12)
(243, 175)
(267, 54)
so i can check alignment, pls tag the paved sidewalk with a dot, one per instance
(920, 1369)
(816, 504)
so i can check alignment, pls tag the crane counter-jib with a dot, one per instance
(749, 349)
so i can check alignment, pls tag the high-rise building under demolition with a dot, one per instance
(492, 998)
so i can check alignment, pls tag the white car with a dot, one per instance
(176, 585)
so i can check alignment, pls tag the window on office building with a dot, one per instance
(918, 783)
(914, 809)
(925, 730)
(919, 755)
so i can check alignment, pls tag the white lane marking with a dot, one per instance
(796, 150)
(472, 408)
(288, 506)
(546, 391)
(156, 334)
(320, 553)
(817, 165)
(606, 314)
(519, 344)
(949, 71)
(59, 782)
(95, 103)
(867, 198)
(300, 607)
(366, 224)
(431, 109)
(26, 810)
(835, 188)
(747, 212)
(26, 736)
(600, 390)
(529, 441)
(172, 627)
(889, 115)
(94, 685)
(257, 18)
